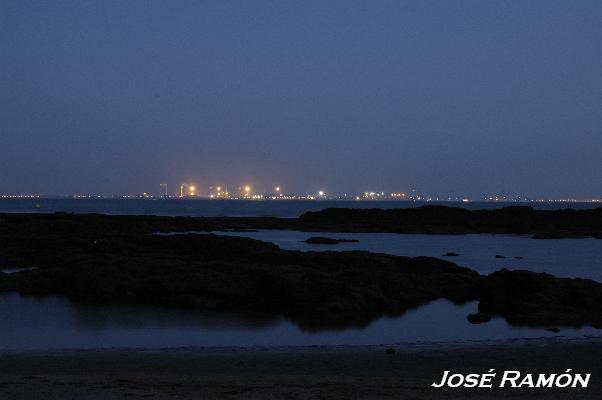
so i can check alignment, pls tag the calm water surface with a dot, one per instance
(570, 258)
(30, 323)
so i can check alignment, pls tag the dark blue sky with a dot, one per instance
(452, 97)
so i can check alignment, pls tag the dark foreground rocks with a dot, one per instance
(478, 318)
(92, 260)
(118, 260)
(539, 299)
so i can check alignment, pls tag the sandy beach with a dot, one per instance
(349, 372)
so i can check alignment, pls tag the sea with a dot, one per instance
(54, 323)
(239, 208)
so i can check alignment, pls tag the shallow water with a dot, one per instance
(561, 257)
(30, 323)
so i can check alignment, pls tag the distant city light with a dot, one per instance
(246, 192)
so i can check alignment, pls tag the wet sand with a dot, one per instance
(346, 372)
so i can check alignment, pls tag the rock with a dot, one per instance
(499, 256)
(326, 240)
(454, 220)
(518, 257)
(539, 299)
(390, 351)
(426, 219)
(451, 254)
(543, 236)
(478, 318)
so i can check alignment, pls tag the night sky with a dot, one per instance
(446, 97)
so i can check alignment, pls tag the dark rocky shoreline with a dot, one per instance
(327, 240)
(118, 260)
(523, 220)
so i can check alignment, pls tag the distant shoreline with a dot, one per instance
(198, 207)
(425, 219)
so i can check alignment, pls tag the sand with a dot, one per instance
(346, 372)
